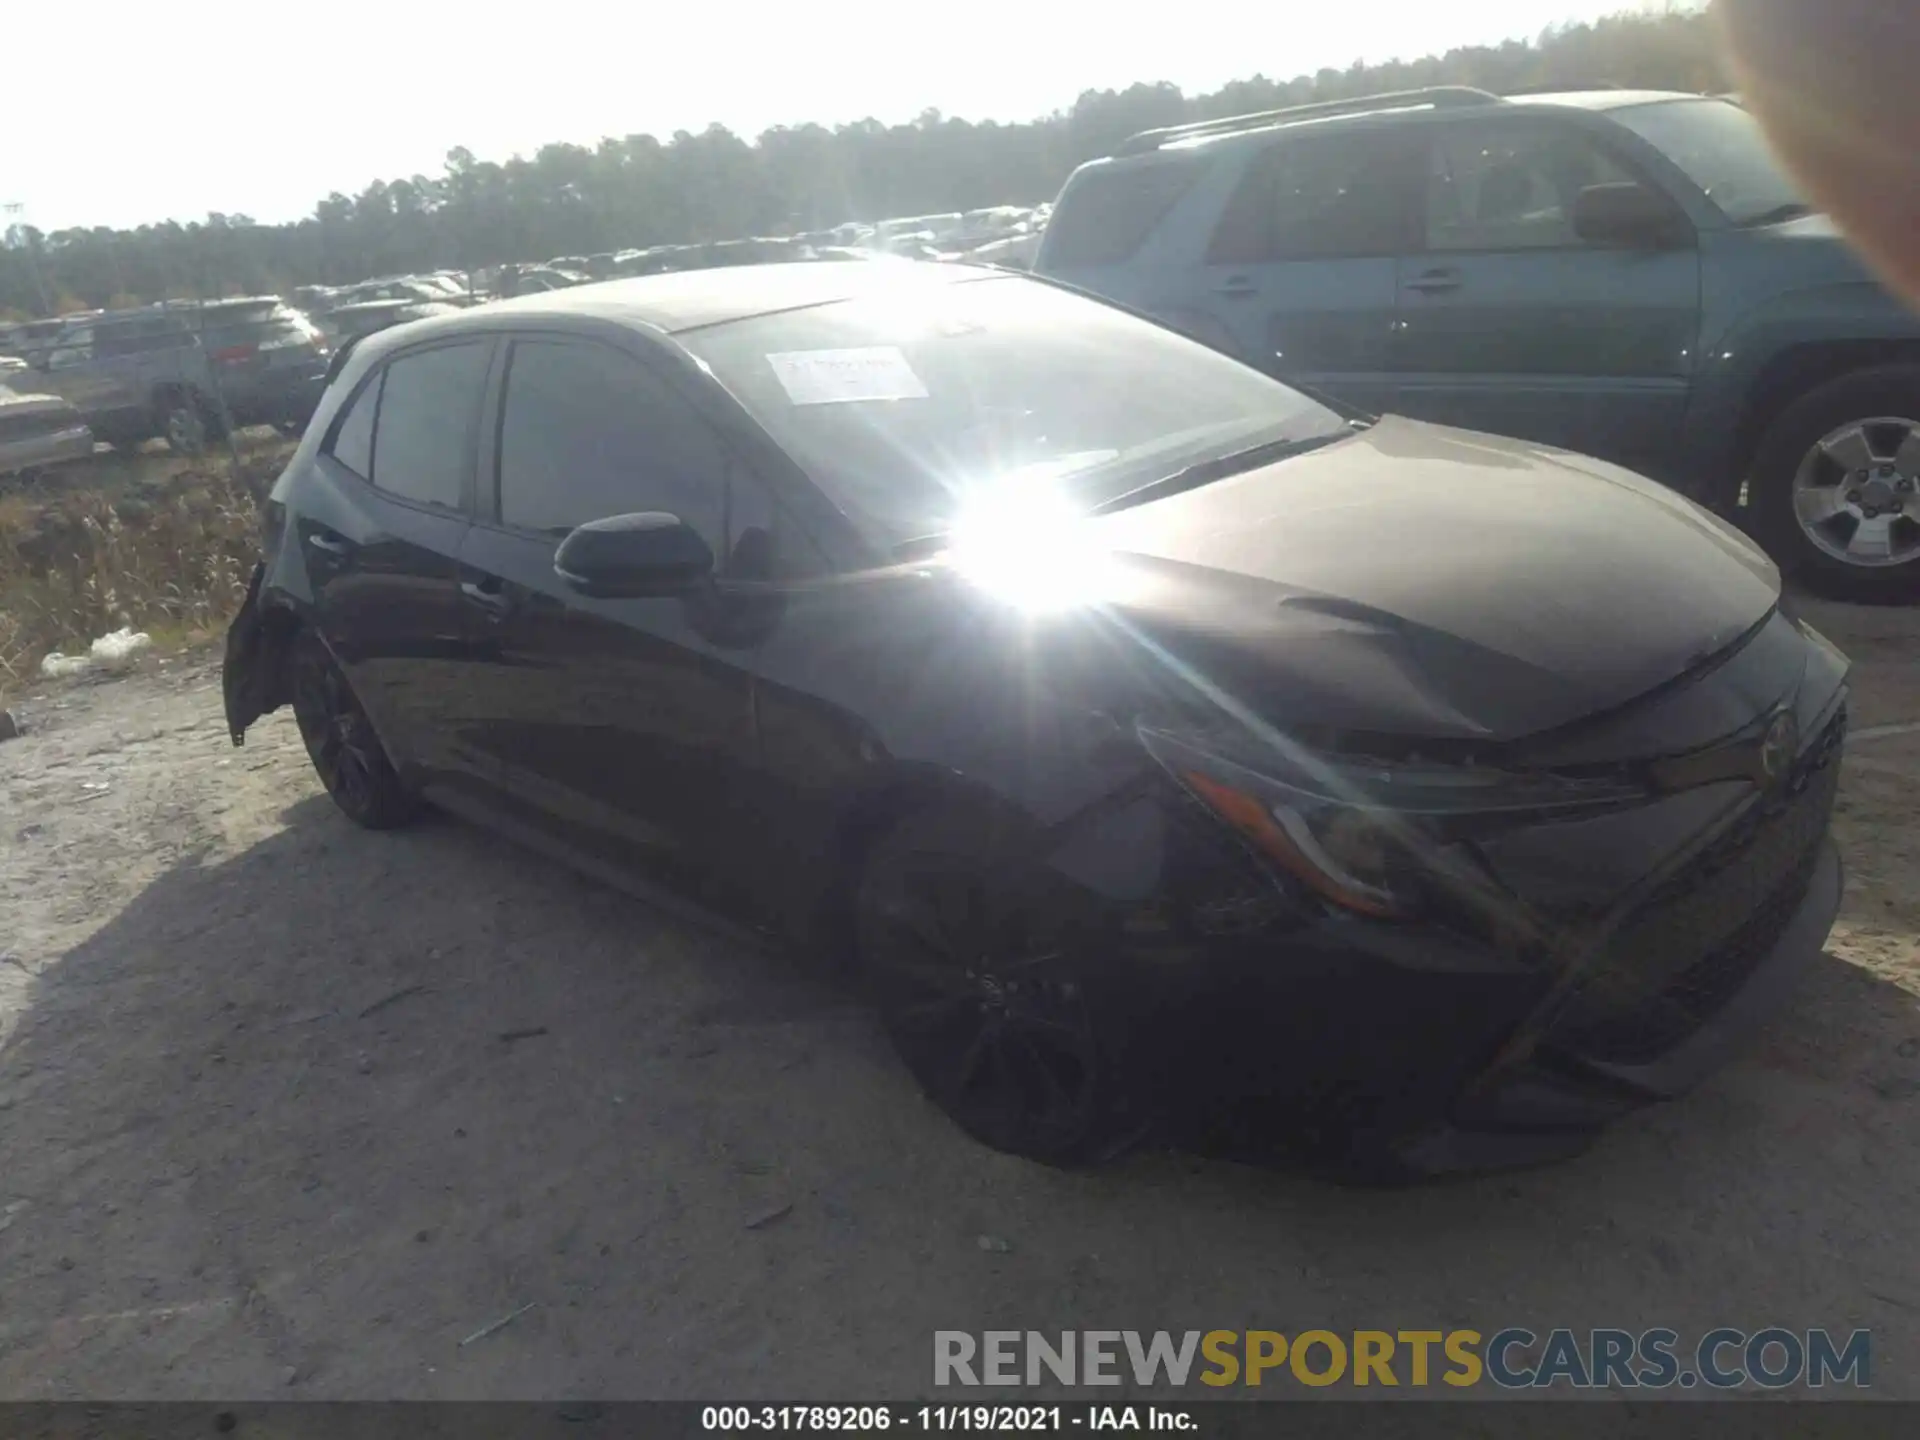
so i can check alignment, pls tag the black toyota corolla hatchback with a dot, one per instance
(1161, 744)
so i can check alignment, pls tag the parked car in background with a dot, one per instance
(1625, 274)
(1015, 251)
(347, 323)
(933, 227)
(26, 338)
(419, 289)
(268, 359)
(1163, 743)
(37, 431)
(535, 279)
(184, 371)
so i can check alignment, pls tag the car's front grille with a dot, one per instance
(1692, 944)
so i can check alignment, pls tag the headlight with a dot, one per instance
(1373, 839)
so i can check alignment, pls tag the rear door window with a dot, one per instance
(1105, 215)
(1322, 197)
(424, 429)
(587, 433)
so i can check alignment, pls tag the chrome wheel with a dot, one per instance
(1856, 494)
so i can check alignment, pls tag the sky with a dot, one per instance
(262, 107)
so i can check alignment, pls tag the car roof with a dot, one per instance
(692, 299)
(374, 307)
(1412, 105)
(1604, 99)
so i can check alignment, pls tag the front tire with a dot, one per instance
(980, 964)
(1836, 486)
(346, 753)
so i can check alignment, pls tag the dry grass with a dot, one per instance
(170, 557)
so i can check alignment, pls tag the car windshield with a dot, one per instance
(904, 406)
(1721, 149)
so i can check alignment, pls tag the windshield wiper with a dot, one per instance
(1205, 472)
(1779, 214)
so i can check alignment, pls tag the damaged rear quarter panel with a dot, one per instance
(279, 593)
(253, 676)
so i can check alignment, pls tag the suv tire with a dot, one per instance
(185, 424)
(1843, 456)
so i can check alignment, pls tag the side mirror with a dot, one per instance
(1626, 213)
(629, 556)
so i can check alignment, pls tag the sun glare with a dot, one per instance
(1028, 544)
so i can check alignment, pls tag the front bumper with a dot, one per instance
(1552, 1104)
(1422, 1049)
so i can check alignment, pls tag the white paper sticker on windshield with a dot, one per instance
(828, 377)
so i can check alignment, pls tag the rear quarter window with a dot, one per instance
(1105, 214)
(352, 443)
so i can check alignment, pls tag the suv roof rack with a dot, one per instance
(1570, 87)
(1435, 95)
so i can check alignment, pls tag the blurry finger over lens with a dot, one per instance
(1832, 81)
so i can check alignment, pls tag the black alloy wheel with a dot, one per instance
(340, 740)
(983, 992)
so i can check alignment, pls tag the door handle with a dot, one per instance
(1435, 282)
(1236, 285)
(489, 595)
(328, 543)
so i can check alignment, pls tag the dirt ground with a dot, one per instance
(289, 1110)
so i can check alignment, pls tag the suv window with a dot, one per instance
(138, 337)
(1320, 197)
(1106, 214)
(587, 432)
(75, 348)
(1509, 186)
(423, 435)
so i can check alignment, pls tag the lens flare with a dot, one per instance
(1030, 546)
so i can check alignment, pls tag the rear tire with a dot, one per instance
(346, 753)
(979, 963)
(1835, 488)
(185, 424)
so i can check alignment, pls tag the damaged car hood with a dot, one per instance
(1420, 581)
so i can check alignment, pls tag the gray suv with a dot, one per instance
(1627, 274)
(183, 372)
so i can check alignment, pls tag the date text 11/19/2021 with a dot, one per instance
(937, 1419)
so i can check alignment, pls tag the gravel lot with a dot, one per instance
(291, 1110)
